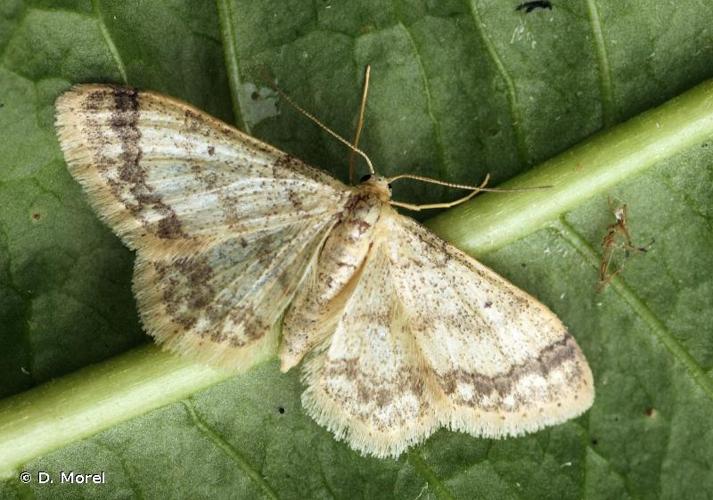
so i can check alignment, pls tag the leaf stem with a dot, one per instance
(493, 220)
(100, 396)
(95, 398)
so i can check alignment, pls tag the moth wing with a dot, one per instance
(366, 384)
(225, 226)
(222, 305)
(167, 176)
(503, 364)
(429, 338)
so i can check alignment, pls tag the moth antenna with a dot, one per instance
(322, 125)
(360, 122)
(476, 190)
(464, 186)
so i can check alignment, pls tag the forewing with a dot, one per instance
(222, 305)
(503, 363)
(166, 176)
(367, 384)
(225, 227)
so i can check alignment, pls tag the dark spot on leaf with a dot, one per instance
(522, 264)
(534, 4)
(595, 441)
(281, 410)
(255, 95)
(650, 412)
(36, 216)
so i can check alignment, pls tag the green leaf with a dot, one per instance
(459, 89)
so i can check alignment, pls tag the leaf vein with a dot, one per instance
(109, 41)
(605, 81)
(136, 488)
(230, 51)
(657, 327)
(511, 94)
(622, 477)
(422, 468)
(437, 132)
(229, 450)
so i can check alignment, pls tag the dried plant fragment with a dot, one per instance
(616, 246)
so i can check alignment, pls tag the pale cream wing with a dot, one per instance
(428, 337)
(368, 383)
(503, 363)
(165, 175)
(225, 227)
(222, 305)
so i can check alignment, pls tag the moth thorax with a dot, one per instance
(378, 186)
(361, 213)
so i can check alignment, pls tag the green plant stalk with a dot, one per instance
(608, 158)
(95, 398)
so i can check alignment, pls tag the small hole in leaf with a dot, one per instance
(281, 410)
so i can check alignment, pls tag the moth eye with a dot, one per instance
(390, 188)
(365, 178)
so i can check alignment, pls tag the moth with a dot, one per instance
(398, 332)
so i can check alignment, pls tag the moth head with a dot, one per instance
(378, 185)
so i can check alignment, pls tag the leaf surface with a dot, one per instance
(459, 89)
